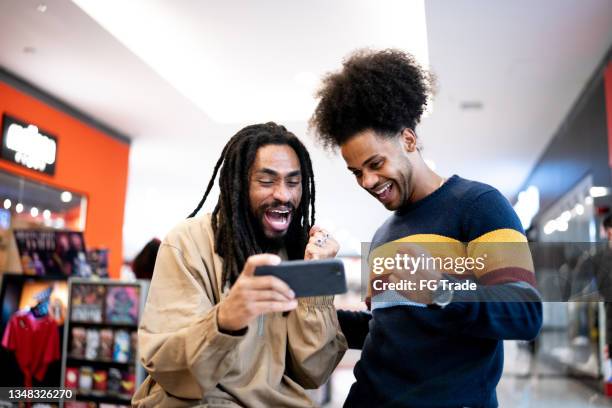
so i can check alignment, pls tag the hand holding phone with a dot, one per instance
(309, 278)
(251, 296)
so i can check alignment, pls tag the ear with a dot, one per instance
(408, 140)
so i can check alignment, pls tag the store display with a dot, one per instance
(93, 343)
(44, 252)
(101, 336)
(72, 377)
(87, 303)
(121, 350)
(128, 383)
(78, 342)
(122, 305)
(114, 381)
(97, 259)
(106, 344)
(85, 379)
(34, 338)
(100, 378)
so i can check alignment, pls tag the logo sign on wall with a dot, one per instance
(28, 146)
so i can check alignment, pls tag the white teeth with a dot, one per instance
(383, 189)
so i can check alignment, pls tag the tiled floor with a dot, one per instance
(544, 388)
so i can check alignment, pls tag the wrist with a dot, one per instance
(441, 297)
(226, 326)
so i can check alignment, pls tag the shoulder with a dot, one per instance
(486, 210)
(191, 232)
(467, 191)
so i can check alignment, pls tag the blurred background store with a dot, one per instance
(124, 107)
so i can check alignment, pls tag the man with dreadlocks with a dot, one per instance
(212, 333)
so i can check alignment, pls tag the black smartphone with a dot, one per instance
(309, 278)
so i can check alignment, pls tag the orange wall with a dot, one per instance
(89, 162)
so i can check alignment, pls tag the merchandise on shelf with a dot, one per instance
(100, 378)
(106, 344)
(72, 377)
(121, 351)
(78, 342)
(85, 379)
(93, 343)
(122, 305)
(87, 303)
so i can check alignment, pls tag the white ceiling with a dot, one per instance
(181, 77)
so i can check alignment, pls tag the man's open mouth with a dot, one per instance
(383, 193)
(278, 219)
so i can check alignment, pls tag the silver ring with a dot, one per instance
(320, 242)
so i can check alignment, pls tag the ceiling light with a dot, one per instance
(46, 214)
(565, 216)
(599, 191)
(562, 226)
(579, 208)
(19, 208)
(34, 212)
(588, 200)
(66, 196)
(471, 105)
(550, 227)
(7, 204)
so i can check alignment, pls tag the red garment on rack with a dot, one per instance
(35, 342)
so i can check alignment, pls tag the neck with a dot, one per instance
(425, 182)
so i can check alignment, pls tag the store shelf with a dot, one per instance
(97, 363)
(99, 298)
(116, 326)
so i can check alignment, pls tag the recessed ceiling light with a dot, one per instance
(41, 8)
(34, 212)
(66, 196)
(19, 208)
(7, 204)
(471, 105)
(598, 191)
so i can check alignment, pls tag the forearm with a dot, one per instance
(355, 326)
(511, 311)
(190, 361)
(315, 342)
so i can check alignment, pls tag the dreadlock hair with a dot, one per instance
(235, 234)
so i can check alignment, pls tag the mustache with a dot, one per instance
(278, 205)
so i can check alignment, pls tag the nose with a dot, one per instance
(369, 180)
(282, 193)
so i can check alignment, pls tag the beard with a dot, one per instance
(271, 244)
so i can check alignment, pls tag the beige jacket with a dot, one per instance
(191, 363)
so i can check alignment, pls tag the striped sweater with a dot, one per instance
(453, 357)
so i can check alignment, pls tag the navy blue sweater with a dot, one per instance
(452, 357)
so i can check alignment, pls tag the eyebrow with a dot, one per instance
(271, 172)
(375, 156)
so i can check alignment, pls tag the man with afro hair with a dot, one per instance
(438, 347)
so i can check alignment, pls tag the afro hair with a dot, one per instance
(385, 91)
